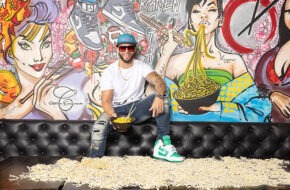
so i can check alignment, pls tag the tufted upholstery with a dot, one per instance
(72, 138)
(40, 138)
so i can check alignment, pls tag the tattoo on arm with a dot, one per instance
(161, 70)
(156, 80)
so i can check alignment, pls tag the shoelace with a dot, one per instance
(89, 7)
(170, 148)
(90, 21)
(128, 7)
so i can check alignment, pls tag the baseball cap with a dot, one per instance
(126, 39)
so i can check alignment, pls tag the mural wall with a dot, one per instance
(221, 60)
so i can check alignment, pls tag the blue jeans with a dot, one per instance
(102, 126)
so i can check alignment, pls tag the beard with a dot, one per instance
(129, 60)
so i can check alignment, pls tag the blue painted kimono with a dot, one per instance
(238, 99)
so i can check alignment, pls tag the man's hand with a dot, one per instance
(113, 116)
(157, 107)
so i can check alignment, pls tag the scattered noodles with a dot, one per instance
(147, 173)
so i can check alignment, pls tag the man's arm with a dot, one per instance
(107, 97)
(158, 105)
(155, 79)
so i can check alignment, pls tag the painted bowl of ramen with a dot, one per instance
(192, 105)
(122, 123)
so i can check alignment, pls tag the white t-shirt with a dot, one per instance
(128, 84)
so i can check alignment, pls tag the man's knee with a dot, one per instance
(101, 128)
(166, 104)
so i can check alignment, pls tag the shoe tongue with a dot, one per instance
(166, 140)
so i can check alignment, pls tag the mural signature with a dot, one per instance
(67, 97)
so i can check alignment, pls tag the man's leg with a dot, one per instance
(163, 120)
(100, 132)
(142, 114)
(163, 149)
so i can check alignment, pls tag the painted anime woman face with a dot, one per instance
(32, 50)
(287, 14)
(206, 12)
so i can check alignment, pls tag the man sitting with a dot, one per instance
(122, 87)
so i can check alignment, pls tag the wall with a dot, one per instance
(51, 70)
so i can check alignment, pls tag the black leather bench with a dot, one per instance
(193, 140)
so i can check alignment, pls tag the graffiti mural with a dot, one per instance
(217, 66)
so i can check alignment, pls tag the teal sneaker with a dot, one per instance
(166, 151)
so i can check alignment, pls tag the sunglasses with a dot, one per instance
(130, 48)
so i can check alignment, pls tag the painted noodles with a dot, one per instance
(196, 84)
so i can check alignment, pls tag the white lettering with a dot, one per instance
(160, 5)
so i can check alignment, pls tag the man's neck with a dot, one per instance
(124, 65)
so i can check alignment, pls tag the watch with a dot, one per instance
(160, 96)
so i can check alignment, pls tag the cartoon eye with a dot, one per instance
(46, 44)
(195, 11)
(212, 10)
(24, 45)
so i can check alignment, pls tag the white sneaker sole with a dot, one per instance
(167, 159)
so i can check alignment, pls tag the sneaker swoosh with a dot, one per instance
(119, 12)
(162, 152)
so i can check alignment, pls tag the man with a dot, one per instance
(122, 89)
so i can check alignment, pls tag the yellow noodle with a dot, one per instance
(123, 120)
(196, 84)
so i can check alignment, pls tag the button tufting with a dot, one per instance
(189, 138)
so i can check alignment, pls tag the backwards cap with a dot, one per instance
(126, 39)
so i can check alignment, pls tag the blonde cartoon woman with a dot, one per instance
(30, 52)
(207, 65)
